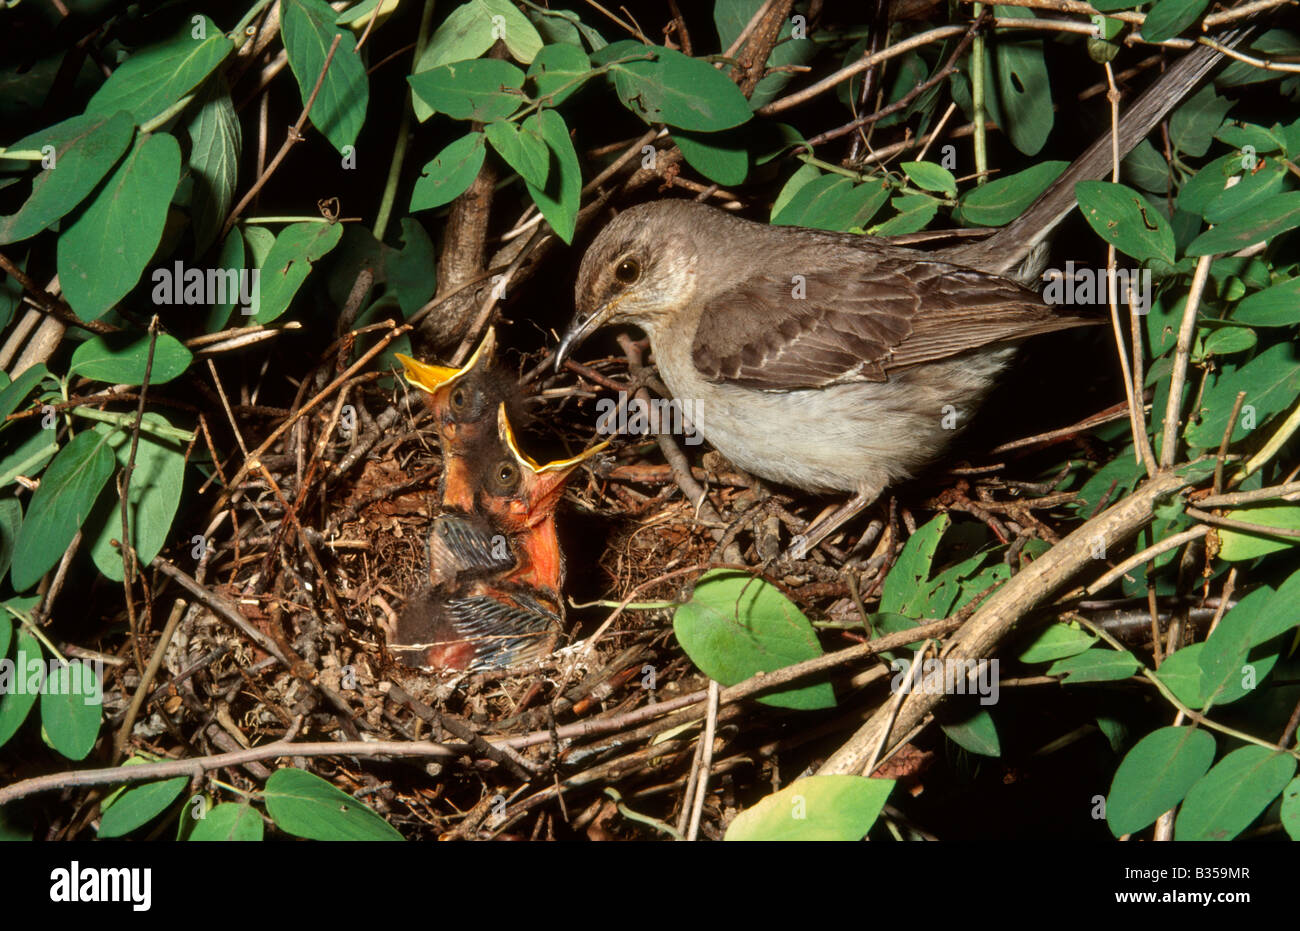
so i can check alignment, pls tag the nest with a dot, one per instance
(317, 540)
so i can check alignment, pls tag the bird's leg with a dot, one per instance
(803, 543)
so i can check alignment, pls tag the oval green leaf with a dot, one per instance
(60, 505)
(449, 173)
(228, 821)
(307, 806)
(139, 805)
(103, 251)
(1233, 793)
(340, 107)
(289, 263)
(1155, 776)
(735, 626)
(156, 77)
(121, 358)
(20, 684)
(71, 701)
(471, 90)
(1127, 220)
(816, 808)
(559, 200)
(86, 148)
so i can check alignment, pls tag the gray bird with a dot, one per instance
(832, 361)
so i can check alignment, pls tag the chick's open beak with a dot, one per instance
(543, 484)
(432, 378)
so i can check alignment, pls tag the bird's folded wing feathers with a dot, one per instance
(860, 322)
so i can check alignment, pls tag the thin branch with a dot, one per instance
(1169, 440)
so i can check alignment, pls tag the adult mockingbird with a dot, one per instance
(833, 361)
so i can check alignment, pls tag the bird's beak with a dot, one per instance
(583, 325)
(543, 483)
(432, 377)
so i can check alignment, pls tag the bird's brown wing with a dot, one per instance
(860, 318)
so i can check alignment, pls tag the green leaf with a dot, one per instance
(731, 16)
(1233, 793)
(156, 77)
(230, 259)
(1003, 199)
(1229, 340)
(120, 359)
(976, 734)
(559, 200)
(215, 143)
(1252, 190)
(228, 821)
(1254, 620)
(832, 202)
(412, 271)
(673, 88)
(1239, 545)
(1277, 305)
(471, 90)
(1170, 17)
(11, 519)
(104, 250)
(289, 263)
(1263, 224)
(736, 626)
(557, 72)
(340, 109)
(30, 456)
(1193, 125)
(1097, 665)
(307, 806)
(816, 808)
(914, 212)
(466, 33)
(720, 157)
(1056, 642)
(1127, 220)
(71, 700)
(59, 507)
(156, 485)
(902, 591)
(16, 392)
(450, 173)
(1181, 672)
(523, 149)
(1155, 776)
(1290, 813)
(20, 684)
(1146, 168)
(139, 805)
(1024, 89)
(519, 35)
(931, 177)
(86, 148)
(1271, 381)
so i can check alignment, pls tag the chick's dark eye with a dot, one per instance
(458, 398)
(627, 271)
(507, 474)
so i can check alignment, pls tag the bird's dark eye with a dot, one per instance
(458, 399)
(506, 475)
(628, 271)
